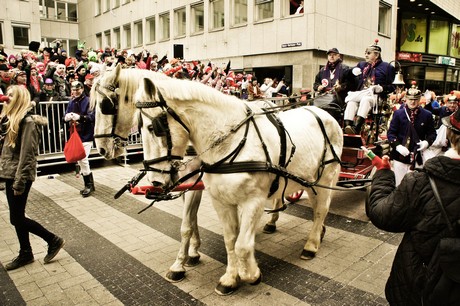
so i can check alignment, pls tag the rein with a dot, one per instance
(117, 139)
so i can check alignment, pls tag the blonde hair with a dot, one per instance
(15, 111)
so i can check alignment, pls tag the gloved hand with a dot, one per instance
(381, 163)
(402, 150)
(75, 117)
(378, 89)
(422, 145)
(68, 117)
(356, 71)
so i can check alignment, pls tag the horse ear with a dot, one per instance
(149, 87)
(117, 72)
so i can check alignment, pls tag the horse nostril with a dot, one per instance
(102, 151)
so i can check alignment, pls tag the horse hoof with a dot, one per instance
(224, 290)
(307, 254)
(323, 233)
(175, 276)
(258, 281)
(192, 261)
(269, 228)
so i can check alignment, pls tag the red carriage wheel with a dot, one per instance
(295, 196)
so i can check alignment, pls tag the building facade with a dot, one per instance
(264, 37)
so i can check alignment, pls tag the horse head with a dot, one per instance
(165, 136)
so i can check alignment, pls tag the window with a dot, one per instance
(1, 33)
(139, 33)
(126, 1)
(197, 22)
(413, 33)
(108, 38)
(107, 5)
(164, 26)
(21, 35)
(117, 37)
(116, 3)
(98, 7)
(180, 22)
(439, 37)
(127, 34)
(217, 14)
(263, 9)
(60, 11)
(72, 12)
(49, 9)
(240, 11)
(151, 30)
(98, 40)
(384, 18)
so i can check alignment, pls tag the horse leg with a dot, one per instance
(320, 204)
(228, 216)
(248, 270)
(195, 241)
(188, 230)
(270, 227)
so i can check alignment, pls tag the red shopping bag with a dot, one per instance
(74, 150)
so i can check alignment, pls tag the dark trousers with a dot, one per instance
(24, 225)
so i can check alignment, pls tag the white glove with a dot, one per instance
(75, 117)
(68, 117)
(356, 71)
(423, 145)
(402, 150)
(378, 89)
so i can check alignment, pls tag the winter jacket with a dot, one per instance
(411, 208)
(85, 125)
(20, 163)
(382, 74)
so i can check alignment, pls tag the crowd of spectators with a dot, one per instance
(47, 73)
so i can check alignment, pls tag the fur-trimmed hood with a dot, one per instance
(39, 120)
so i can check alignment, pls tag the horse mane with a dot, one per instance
(127, 83)
(187, 90)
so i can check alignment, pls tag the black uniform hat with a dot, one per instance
(413, 92)
(453, 122)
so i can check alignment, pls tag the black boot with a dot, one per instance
(25, 257)
(89, 185)
(85, 182)
(356, 129)
(53, 248)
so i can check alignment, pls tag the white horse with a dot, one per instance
(237, 144)
(114, 91)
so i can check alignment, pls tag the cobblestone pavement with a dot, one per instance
(115, 256)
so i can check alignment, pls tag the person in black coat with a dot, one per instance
(412, 208)
(411, 132)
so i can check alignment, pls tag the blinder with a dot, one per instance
(159, 125)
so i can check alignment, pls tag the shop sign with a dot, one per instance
(410, 57)
(445, 60)
(290, 45)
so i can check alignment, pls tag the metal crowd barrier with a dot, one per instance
(55, 135)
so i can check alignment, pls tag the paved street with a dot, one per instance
(115, 256)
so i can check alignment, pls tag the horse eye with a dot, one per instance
(150, 128)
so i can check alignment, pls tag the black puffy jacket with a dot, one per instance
(412, 208)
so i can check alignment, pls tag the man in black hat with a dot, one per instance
(375, 80)
(411, 132)
(330, 79)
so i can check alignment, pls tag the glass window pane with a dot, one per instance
(240, 12)
(436, 74)
(108, 39)
(198, 18)
(127, 31)
(151, 30)
(72, 11)
(20, 36)
(384, 18)
(164, 24)
(139, 33)
(50, 9)
(439, 37)
(61, 11)
(180, 22)
(1, 33)
(117, 37)
(217, 14)
(263, 9)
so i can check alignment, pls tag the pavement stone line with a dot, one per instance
(115, 256)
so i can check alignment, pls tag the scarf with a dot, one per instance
(368, 71)
(412, 113)
(35, 83)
